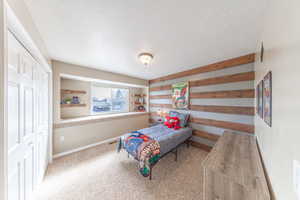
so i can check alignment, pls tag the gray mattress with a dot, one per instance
(168, 138)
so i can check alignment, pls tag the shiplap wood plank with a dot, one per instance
(248, 93)
(221, 94)
(158, 88)
(246, 76)
(239, 110)
(206, 135)
(161, 105)
(208, 68)
(201, 146)
(167, 96)
(224, 124)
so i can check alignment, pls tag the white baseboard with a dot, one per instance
(85, 147)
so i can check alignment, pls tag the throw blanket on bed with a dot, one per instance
(142, 148)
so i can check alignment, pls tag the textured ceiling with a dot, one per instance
(109, 35)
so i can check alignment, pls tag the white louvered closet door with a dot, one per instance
(27, 121)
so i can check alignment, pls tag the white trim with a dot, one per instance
(272, 192)
(50, 117)
(81, 78)
(84, 147)
(94, 118)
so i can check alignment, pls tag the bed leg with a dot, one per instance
(188, 143)
(150, 174)
(127, 155)
(176, 153)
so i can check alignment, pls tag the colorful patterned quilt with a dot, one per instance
(143, 148)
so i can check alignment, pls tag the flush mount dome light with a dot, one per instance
(145, 58)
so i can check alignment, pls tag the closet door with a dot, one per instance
(23, 122)
(42, 126)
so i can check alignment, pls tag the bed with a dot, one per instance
(168, 139)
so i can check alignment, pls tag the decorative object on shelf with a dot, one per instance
(142, 100)
(67, 101)
(141, 108)
(75, 100)
(139, 101)
(180, 95)
(145, 58)
(259, 99)
(267, 99)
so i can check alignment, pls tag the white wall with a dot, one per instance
(280, 144)
(3, 75)
(91, 133)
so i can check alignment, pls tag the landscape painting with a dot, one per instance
(180, 95)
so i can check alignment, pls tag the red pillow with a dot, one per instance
(172, 122)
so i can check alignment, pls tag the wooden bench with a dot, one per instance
(233, 170)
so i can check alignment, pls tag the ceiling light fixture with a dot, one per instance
(145, 58)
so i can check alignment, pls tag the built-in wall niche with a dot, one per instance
(82, 97)
(139, 100)
(74, 98)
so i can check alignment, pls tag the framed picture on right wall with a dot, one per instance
(267, 98)
(259, 99)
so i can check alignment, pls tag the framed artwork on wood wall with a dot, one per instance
(259, 99)
(267, 99)
(180, 95)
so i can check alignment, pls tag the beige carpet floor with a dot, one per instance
(100, 173)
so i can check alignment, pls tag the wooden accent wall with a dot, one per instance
(247, 76)
(208, 68)
(221, 98)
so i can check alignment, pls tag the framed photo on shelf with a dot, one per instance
(267, 99)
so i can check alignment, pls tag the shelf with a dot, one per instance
(140, 95)
(72, 105)
(73, 92)
(138, 103)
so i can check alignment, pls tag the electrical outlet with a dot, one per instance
(296, 174)
(62, 138)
